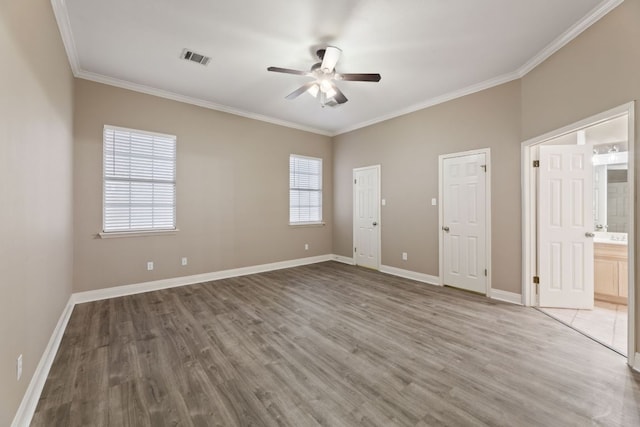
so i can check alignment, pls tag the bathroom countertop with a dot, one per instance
(610, 242)
(610, 238)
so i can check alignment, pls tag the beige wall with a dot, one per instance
(232, 174)
(232, 191)
(407, 148)
(36, 103)
(597, 71)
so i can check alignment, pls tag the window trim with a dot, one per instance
(320, 222)
(139, 232)
(118, 234)
(307, 224)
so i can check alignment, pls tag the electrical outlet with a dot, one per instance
(404, 256)
(150, 265)
(306, 246)
(184, 260)
(19, 368)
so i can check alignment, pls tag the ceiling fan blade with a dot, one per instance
(339, 96)
(330, 58)
(288, 71)
(352, 77)
(302, 89)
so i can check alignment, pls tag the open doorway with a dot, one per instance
(578, 227)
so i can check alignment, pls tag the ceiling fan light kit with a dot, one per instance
(323, 87)
(313, 90)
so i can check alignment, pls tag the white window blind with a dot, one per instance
(139, 180)
(305, 189)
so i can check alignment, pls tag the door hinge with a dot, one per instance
(485, 271)
(536, 163)
(484, 168)
(355, 181)
(355, 249)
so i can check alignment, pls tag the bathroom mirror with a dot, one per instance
(610, 201)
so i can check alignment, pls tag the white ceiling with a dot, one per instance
(427, 51)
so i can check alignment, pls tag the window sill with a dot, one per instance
(306, 224)
(118, 234)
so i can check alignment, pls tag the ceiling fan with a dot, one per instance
(325, 76)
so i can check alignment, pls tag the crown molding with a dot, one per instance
(62, 18)
(487, 84)
(64, 25)
(124, 84)
(574, 31)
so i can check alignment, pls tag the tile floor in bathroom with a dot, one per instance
(607, 322)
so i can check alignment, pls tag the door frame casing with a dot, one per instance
(487, 196)
(353, 219)
(529, 210)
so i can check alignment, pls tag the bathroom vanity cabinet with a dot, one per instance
(610, 272)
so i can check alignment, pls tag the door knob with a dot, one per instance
(589, 234)
(375, 223)
(445, 228)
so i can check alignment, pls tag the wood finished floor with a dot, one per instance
(334, 345)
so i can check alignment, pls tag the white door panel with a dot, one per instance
(565, 251)
(464, 222)
(366, 216)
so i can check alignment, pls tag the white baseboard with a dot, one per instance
(506, 296)
(32, 395)
(635, 363)
(343, 259)
(119, 291)
(408, 274)
(497, 294)
(30, 400)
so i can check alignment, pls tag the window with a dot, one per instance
(139, 181)
(305, 190)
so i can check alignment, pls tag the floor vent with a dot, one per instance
(192, 56)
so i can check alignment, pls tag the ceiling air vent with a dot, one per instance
(192, 56)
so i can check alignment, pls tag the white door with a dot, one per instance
(565, 226)
(366, 216)
(464, 222)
